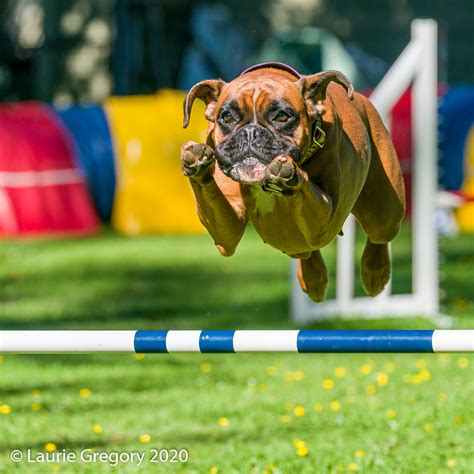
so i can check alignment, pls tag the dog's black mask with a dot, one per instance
(245, 155)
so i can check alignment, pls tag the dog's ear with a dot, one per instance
(208, 92)
(313, 88)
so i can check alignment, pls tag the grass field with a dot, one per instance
(233, 413)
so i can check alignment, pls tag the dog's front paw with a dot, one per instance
(197, 160)
(283, 176)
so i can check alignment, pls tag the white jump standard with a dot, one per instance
(230, 341)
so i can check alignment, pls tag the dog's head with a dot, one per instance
(267, 111)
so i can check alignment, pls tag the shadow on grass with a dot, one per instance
(178, 282)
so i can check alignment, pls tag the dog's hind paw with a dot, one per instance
(375, 268)
(197, 160)
(283, 176)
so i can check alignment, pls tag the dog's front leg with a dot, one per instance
(225, 220)
(313, 208)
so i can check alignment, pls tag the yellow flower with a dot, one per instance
(285, 418)
(390, 414)
(298, 443)
(451, 462)
(298, 411)
(318, 407)
(50, 447)
(360, 453)
(139, 356)
(144, 438)
(298, 375)
(335, 405)
(55, 467)
(36, 393)
(458, 420)
(420, 363)
(302, 451)
(96, 428)
(223, 421)
(35, 406)
(271, 371)
(424, 374)
(371, 389)
(442, 397)
(390, 367)
(416, 379)
(340, 372)
(5, 409)
(428, 426)
(463, 362)
(84, 393)
(366, 369)
(382, 379)
(214, 470)
(352, 466)
(206, 367)
(328, 384)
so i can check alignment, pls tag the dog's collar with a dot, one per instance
(317, 141)
(273, 65)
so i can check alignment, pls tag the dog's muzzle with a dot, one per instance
(245, 155)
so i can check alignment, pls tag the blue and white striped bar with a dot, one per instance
(236, 341)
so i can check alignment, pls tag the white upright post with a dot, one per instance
(424, 113)
(345, 264)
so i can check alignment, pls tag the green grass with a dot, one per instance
(111, 282)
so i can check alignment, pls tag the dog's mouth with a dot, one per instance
(248, 171)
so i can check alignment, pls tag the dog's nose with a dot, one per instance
(252, 132)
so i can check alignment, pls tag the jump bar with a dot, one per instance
(36, 342)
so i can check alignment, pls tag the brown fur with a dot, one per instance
(357, 171)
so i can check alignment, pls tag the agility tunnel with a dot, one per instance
(41, 188)
(216, 341)
(151, 194)
(89, 135)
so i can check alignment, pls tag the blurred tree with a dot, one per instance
(381, 28)
(83, 50)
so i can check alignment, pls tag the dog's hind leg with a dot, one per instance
(375, 267)
(381, 204)
(313, 276)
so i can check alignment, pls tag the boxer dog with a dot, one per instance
(295, 155)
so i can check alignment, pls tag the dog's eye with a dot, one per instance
(226, 117)
(282, 117)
